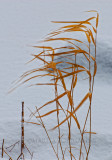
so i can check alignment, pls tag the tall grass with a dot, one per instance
(48, 54)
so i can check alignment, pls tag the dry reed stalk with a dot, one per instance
(57, 107)
(22, 128)
(2, 148)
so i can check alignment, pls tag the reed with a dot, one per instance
(48, 56)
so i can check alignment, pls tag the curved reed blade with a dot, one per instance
(75, 82)
(97, 20)
(73, 73)
(89, 19)
(91, 34)
(65, 39)
(92, 11)
(70, 98)
(43, 84)
(48, 113)
(32, 123)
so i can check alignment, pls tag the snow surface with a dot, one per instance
(22, 24)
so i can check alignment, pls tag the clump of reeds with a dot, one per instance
(47, 56)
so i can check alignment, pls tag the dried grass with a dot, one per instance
(58, 79)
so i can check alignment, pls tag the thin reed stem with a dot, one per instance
(57, 107)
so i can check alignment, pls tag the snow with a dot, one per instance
(23, 23)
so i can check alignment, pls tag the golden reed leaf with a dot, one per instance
(48, 113)
(97, 19)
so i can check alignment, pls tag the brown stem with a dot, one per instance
(3, 148)
(57, 107)
(22, 128)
